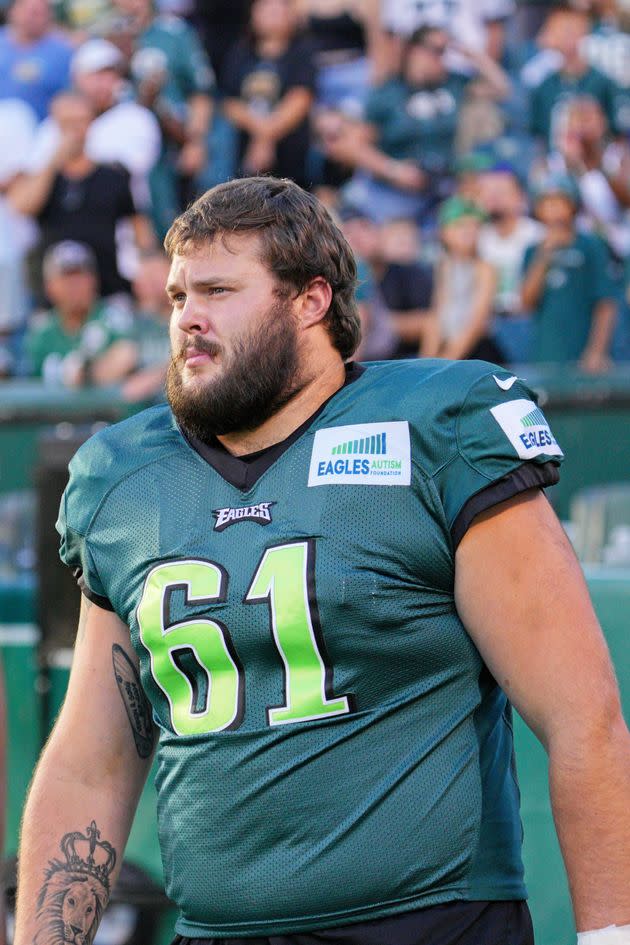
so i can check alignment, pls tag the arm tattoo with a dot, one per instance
(136, 704)
(76, 890)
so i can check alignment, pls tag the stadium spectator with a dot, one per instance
(346, 37)
(34, 58)
(574, 76)
(173, 76)
(220, 24)
(566, 284)
(17, 233)
(506, 234)
(601, 169)
(394, 288)
(153, 311)
(504, 237)
(122, 132)
(378, 337)
(404, 154)
(459, 326)
(269, 81)
(473, 24)
(83, 339)
(73, 197)
(607, 47)
(405, 283)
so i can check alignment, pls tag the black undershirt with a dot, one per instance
(243, 472)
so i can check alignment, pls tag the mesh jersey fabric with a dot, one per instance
(398, 790)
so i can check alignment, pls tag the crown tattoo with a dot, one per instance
(87, 853)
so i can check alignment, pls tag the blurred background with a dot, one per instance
(476, 154)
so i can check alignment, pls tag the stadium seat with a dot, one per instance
(600, 518)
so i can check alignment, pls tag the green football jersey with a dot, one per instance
(332, 748)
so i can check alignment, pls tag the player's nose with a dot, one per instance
(191, 317)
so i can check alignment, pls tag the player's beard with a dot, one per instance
(259, 375)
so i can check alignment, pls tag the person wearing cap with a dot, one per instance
(74, 197)
(34, 58)
(566, 283)
(459, 323)
(121, 132)
(82, 339)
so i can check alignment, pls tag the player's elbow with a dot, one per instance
(596, 727)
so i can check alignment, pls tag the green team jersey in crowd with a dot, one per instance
(188, 67)
(577, 280)
(332, 748)
(48, 341)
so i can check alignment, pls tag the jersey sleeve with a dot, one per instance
(75, 513)
(504, 446)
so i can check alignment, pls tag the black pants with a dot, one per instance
(455, 923)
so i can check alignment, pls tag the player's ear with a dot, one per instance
(314, 302)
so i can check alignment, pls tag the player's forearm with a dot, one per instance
(75, 827)
(590, 793)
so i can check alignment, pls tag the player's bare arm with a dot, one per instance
(525, 603)
(83, 797)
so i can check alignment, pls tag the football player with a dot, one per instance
(318, 586)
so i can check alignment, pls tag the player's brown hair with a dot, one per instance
(299, 241)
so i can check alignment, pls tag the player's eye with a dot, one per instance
(217, 290)
(178, 298)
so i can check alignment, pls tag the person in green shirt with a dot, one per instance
(403, 154)
(575, 76)
(173, 77)
(566, 284)
(82, 339)
(153, 311)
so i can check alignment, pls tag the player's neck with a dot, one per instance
(305, 403)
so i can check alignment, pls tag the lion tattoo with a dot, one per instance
(70, 907)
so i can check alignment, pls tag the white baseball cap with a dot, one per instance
(94, 55)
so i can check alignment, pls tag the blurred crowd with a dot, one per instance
(475, 152)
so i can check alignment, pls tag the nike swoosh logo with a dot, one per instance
(505, 384)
